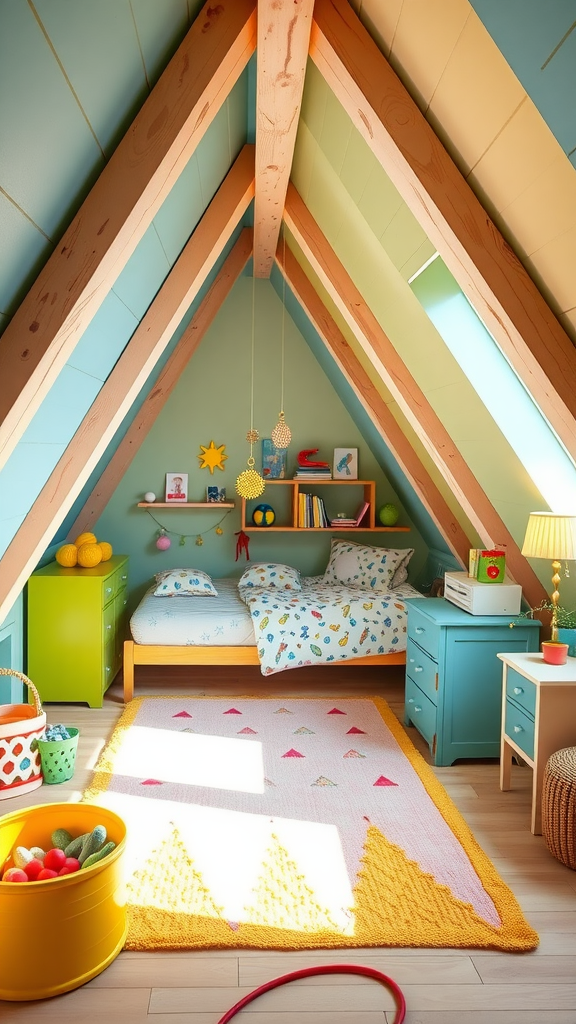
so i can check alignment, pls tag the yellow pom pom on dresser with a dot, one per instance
(89, 555)
(106, 550)
(67, 555)
(85, 538)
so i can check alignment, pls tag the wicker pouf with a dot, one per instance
(559, 806)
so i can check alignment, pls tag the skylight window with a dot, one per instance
(496, 383)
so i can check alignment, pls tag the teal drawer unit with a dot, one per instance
(76, 624)
(454, 676)
(519, 726)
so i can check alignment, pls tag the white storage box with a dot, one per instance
(482, 598)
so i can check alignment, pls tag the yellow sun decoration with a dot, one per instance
(212, 457)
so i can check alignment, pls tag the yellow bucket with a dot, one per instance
(59, 933)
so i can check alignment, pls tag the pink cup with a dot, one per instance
(554, 653)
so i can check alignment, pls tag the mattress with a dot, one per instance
(222, 621)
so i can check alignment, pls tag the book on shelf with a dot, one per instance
(312, 474)
(311, 512)
(347, 523)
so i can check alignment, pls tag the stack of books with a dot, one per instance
(348, 524)
(313, 473)
(312, 512)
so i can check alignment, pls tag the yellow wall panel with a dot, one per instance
(518, 155)
(476, 95)
(425, 37)
(553, 266)
(380, 19)
(546, 208)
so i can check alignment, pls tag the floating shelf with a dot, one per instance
(187, 504)
(298, 486)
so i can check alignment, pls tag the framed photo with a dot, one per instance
(177, 487)
(345, 464)
(273, 460)
(215, 493)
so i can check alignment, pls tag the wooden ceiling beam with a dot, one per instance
(374, 405)
(164, 385)
(283, 41)
(405, 391)
(489, 273)
(127, 378)
(120, 207)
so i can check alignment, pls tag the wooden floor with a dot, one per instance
(441, 986)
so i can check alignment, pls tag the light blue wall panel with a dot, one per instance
(104, 339)
(161, 27)
(63, 409)
(213, 155)
(12, 653)
(23, 250)
(47, 147)
(238, 115)
(87, 35)
(180, 211)
(24, 475)
(143, 274)
(539, 42)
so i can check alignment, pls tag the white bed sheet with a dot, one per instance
(222, 621)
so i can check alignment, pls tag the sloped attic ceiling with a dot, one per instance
(225, 38)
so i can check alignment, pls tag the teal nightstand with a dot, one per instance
(454, 678)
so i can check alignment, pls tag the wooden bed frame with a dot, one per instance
(149, 654)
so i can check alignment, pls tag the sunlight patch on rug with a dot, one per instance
(293, 823)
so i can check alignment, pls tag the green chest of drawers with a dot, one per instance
(76, 621)
(454, 678)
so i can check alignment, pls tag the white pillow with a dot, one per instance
(270, 575)
(184, 583)
(366, 568)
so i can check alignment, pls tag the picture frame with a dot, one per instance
(273, 460)
(215, 494)
(345, 464)
(177, 488)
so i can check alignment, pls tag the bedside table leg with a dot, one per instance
(128, 667)
(505, 764)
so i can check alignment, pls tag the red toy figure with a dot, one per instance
(303, 459)
(242, 544)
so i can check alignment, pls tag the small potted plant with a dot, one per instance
(565, 624)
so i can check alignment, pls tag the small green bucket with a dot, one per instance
(58, 758)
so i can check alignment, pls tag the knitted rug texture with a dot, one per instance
(293, 823)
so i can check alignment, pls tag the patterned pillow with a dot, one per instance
(270, 575)
(184, 583)
(366, 568)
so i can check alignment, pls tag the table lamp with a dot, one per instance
(553, 536)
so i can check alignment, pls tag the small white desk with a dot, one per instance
(538, 718)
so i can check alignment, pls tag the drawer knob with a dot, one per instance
(518, 728)
(419, 629)
(418, 668)
(518, 690)
(124, 577)
(108, 590)
(417, 708)
(411, 700)
(109, 626)
(107, 668)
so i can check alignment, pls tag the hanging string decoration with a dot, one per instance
(163, 541)
(282, 435)
(249, 483)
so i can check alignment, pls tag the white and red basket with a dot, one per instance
(21, 725)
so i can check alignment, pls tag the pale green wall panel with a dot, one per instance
(48, 151)
(212, 402)
(336, 132)
(23, 250)
(357, 167)
(143, 275)
(314, 99)
(104, 339)
(379, 201)
(86, 35)
(417, 259)
(403, 236)
(63, 409)
(161, 27)
(237, 103)
(303, 161)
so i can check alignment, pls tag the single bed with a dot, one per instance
(220, 630)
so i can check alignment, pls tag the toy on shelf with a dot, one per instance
(66, 856)
(86, 552)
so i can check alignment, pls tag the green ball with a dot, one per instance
(388, 515)
(263, 515)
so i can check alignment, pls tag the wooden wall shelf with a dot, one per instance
(305, 486)
(187, 504)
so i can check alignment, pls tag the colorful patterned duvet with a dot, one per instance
(325, 622)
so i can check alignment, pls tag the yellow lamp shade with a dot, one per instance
(550, 535)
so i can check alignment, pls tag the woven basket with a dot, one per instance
(21, 725)
(559, 806)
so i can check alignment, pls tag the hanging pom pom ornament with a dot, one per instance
(249, 484)
(252, 436)
(199, 541)
(281, 435)
(163, 542)
(219, 531)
